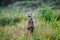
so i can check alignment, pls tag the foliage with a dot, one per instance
(5, 36)
(42, 31)
(5, 20)
(47, 13)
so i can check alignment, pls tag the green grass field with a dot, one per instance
(46, 22)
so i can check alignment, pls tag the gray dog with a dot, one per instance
(30, 25)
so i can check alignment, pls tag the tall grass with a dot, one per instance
(11, 18)
(46, 13)
(52, 27)
(46, 31)
(43, 32)
(5, 36)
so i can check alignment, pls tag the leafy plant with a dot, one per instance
(46, 13)
(5, 20)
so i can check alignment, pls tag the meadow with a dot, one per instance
(13, 23)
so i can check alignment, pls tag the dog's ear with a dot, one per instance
(29, 14)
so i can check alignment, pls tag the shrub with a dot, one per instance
(5, 20)
(46, 13)
(9, 20)
(16, 19)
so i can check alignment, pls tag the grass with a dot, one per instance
(46, 13)
(4, 35)
(11, 18)
(47, 30)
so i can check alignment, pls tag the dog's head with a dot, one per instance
(29, 14)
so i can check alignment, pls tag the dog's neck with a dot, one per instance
(30, 20)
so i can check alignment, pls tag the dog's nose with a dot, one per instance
(29, 16)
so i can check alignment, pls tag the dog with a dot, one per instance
(30, 24)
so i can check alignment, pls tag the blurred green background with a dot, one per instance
(13, 19)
